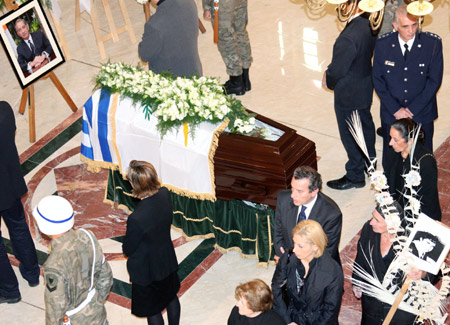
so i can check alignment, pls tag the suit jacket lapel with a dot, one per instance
(292, 215)
(316, 207)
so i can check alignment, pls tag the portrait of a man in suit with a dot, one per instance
(305, 201)
(34, 51)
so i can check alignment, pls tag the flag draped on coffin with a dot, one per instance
(116, 132)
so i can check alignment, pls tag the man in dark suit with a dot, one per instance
(35, 49)
(305, 201)
(350, 76)
(12, 188)
(407, 79)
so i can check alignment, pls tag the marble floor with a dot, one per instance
(291, 49)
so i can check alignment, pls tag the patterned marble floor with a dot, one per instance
(291, 48)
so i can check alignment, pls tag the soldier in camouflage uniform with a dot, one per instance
(234, 45)
(73, 286)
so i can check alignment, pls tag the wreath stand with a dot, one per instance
(114, 31)
(28, 92)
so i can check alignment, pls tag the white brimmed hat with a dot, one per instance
(54, 215)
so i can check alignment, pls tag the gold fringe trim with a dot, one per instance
(235, 249)
(112, 117)
(212, 152)
(256, 244)
(215, 227)
(270, 236)
(194, 220)
(191, 238)
(235, 232)
(123, 191)
(192, 195)
(95, 166)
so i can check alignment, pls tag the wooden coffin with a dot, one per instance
(255, 169)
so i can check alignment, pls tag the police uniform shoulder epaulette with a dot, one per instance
(432, 35)
(386, 36)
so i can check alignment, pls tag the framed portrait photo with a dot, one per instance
(29, 42)
(428, 244)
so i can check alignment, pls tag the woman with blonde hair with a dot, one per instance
(254, 306)
(312, 280)
(152, 262)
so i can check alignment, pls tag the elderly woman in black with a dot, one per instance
(375, 245)
(254, 306)
(312, 279)
(398, 164)
(152, 263)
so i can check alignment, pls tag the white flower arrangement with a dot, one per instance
(384, 198)
(177, 100)
(378, 180)
(412, 178)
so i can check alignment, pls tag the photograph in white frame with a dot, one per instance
(428, 244)
(29, 42)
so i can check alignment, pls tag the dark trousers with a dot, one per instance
(357, 162)
(23, 248)
(428, 129)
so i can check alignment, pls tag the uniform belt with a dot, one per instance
(88, 299)
(92, 290)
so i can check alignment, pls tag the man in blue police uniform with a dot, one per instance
(407, 73)
(350, 76)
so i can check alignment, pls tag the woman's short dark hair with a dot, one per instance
(143, 178)
(257, 293)
(406, 126)
(315, 180)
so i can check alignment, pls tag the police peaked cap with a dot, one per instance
(54, 215)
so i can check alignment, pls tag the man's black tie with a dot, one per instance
(31, 47)
(405, 55)
(301, 216)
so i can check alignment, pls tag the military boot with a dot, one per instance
(235, 86)
(246, 79)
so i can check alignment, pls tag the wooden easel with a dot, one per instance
(114, 32)
(28, 92)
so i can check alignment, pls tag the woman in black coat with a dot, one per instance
(152, 262)
(313, 280)
(398, 163)
(375, 245)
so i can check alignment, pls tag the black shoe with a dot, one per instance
(10, 300)
(246, 80)
(344, 184)
(235, 86)
(380, 131)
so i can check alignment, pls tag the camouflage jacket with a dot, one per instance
(67, 273)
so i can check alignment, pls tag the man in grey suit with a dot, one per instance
(305, 201)
(170, 37)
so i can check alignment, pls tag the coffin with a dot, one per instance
(255, 169)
